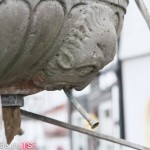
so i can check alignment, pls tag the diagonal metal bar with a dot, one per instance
(82, 130)
(144, 11)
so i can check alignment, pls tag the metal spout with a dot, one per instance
(92, 122)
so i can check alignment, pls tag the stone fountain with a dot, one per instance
(53, 45)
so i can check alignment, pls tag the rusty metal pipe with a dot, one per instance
(92, 122)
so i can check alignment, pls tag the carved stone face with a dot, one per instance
(88, 47)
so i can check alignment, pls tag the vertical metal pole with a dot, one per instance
(121, 99)
(70, 122)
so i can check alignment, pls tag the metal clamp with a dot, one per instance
(12, 100)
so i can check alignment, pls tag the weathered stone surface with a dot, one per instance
(55, 44)
(87, 48)
(27, 35)
(121, 3)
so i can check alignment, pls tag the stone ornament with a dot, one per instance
(56, 44)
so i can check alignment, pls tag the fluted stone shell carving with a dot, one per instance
(26, 36)
(55, 44)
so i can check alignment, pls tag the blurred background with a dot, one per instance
(119, 97)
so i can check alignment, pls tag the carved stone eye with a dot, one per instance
(86, 70)
(65, 59)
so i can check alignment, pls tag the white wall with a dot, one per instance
(135, 38)
(136, 85)
(135, 41)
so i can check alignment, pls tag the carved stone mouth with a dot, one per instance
(62, 85)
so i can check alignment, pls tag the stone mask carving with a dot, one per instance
(55, 44)
(87, 48)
